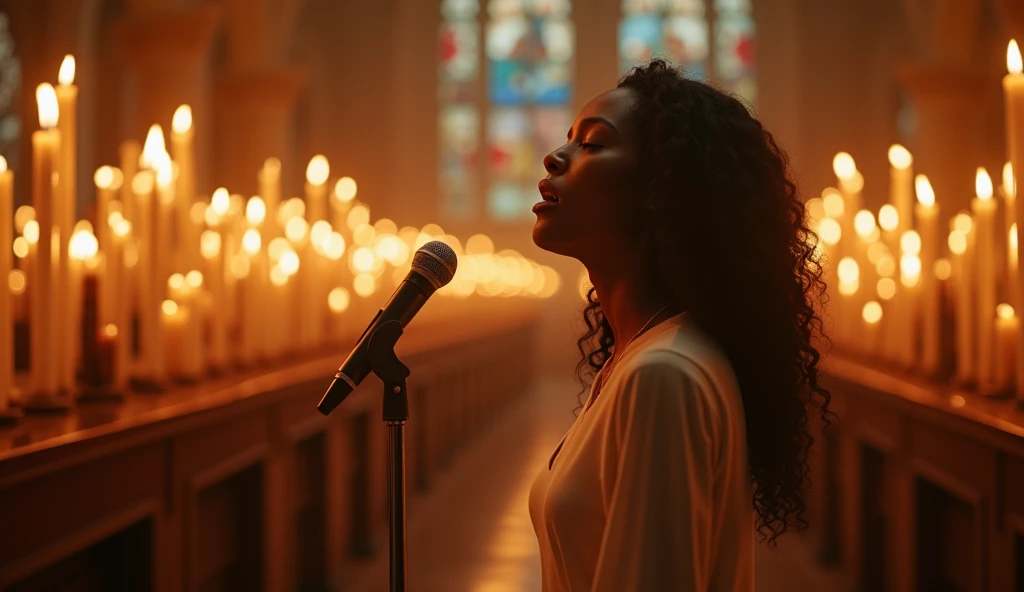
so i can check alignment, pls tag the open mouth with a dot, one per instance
(547, 191)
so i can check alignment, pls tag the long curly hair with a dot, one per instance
(731, 244)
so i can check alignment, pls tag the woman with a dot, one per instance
(696, 432)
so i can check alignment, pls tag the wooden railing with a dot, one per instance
(921, 486)
(238, 483)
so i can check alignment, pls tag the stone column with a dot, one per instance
(167, 56)
(255, 121)
(950, 141)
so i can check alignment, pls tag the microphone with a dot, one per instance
(433, 266)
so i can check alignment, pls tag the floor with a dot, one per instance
(472, 532)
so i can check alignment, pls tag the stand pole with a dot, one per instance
(392, 372)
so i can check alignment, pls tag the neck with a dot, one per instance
(629, 297)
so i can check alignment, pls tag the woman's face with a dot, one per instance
(589, 200)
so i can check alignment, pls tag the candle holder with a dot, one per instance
(47, 404)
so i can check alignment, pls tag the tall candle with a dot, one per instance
(6, 266)
(252, 317)
(1007, 329)
(871, 315)
(65, 214)
(851, 184)
(1012, 264)
(150, 294)
(1013, 90)
(119, 278)
(210, 245)
(901, 184)
(344, 192)
(108, 182)
(130, 152)
(890, 221)
(183, 152)
(45, 153)
(910, 280)
(927, 213)
(316, 188)
(82, 248)
(1008, 189)
(984, 208)
(963, 280)
(269, 179)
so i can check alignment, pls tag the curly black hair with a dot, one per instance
(732, 245)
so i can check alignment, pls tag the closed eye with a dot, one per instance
(589, 146)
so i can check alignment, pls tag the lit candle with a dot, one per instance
(1013, 89)
(927, 214)
(851, 183)
(108, 182)
(871, 313)
(173, 319)
(45, 153)
(210, 246)
(849, 282)
(120, 280)
(82, 248)
(130, 154)
(961, 257)
(150, 288)
(1008, 189)
(910, 279)
(1007, 335)
(65, 214)
(6, 266)
(183, 152)
(901, 184)
(316, 188)
(256, 283)
(269, 178)
(889, 221)
(1012, 260)
(984, 208)
(344, 192)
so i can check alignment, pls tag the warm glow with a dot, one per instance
(983, 184)
(176, 282)
(318, 170)
(1004, 311)
(22, 216)
(320, 232)
(169, 307)
(16, 281)
(814, 209)
(46, 101)
(886, 266)
(1013, 59)
(131, 255)
(182, 120)
(110, 330)
(844, 166)
(848, 270)
(1011, 236)
(345, 189)
(239, 266)
(957, 242)
(364, 284)
(251, 241)
(363, 235)
(82, 246)
(479, 244)
(872, 312)
(886, 288)
(849, 288)
(877, 250)
(830, 231)
(272, 166)
(963, 222)
(362, 260)
(104, 177)
(194, 279)
(277, 247)
(209, 244)
(888, 217)
(335, 246)
(432, 229)
(3, 164)
(899, 157)
(295, 230)
(833, 203)
(21, 247)
(910, 242)
(122, 229)
(910, 270)
(385, 226)
(278, 277)
(255, 210)
(220, 202)
(925, 193)
(31, 232)
(155, 149)
(942, 269)
(338, 299)
(358, 216)
(83, 226)
(1009, 182)
(289, 262)
(864, 223)
(66, 74)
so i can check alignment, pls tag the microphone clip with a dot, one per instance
(392, 372)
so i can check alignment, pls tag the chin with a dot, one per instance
(548, 238)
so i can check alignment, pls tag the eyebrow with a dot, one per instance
(592, 120)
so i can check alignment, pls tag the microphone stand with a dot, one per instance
(392, 372)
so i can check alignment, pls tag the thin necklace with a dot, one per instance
(608, 370)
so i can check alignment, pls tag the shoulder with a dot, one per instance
(667, 379)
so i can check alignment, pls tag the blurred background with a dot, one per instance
(203, 203)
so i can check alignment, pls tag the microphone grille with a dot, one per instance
(437, 261)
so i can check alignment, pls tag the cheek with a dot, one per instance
(604, 193)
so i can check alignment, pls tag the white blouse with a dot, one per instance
(650, 488)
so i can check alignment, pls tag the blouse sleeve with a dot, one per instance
(658, 501)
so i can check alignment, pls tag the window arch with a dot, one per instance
(505, 87)
(711, 39)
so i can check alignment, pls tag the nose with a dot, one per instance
(555, 163)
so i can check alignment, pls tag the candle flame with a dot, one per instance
(925, 193)
(46, 100)
(194, 279)
(886, 288)
(251, 241)
(154, 147)
(110, 330)
(176, 281)
(983, 184)
(833, 202)
(182, 120)
(3, 164)
(1012, 236)
(1009, 181)
(278, 277)
(272, 166)
(1013, 59)
(910, 270)
(104, 177)
(209, 244)
(318, 170)
(957, 242)
(899, 157)
(21, 247)
(1004, 311)
(66, 75)
(345, 189)
(31, 232)
(255, 210)
(296, 229)
(122, 229)
(872, 312)
(16, 281)
(364, 284)
(963, 222)
(844, 166)
(220, 202)
(164, 172)
(289, 262)
(82, 246)
(142, 183)
(864, 223)
(888, 217)
(848, 270)
(169, 307)
(910, 243)
(338, 300)
(942, 269)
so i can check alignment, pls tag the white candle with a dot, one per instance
(849, 284)
(1013, 90)
(851, 183)
(961, 259)
(1007, 335)
(119, 279)
(183, 152)
(901, 184)
(316, 188)
(108, 182)
(173, 319)
(150, 288)
(269, 179)
(984, 208)
(6, 266)
(45, 153)
(1012, 263)
(82, 248)
(910, 280)
(871, 316)
(344, 192)
(65, 214)
(256, 283)
(210, 245)
(927, 213)
(130, 153)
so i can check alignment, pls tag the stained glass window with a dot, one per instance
(682, 32)
(459, 120)
(10, 83)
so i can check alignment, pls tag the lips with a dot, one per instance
(547, 191)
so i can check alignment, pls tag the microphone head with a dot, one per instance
(437, 262)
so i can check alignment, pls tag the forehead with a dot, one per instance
(614, 105)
